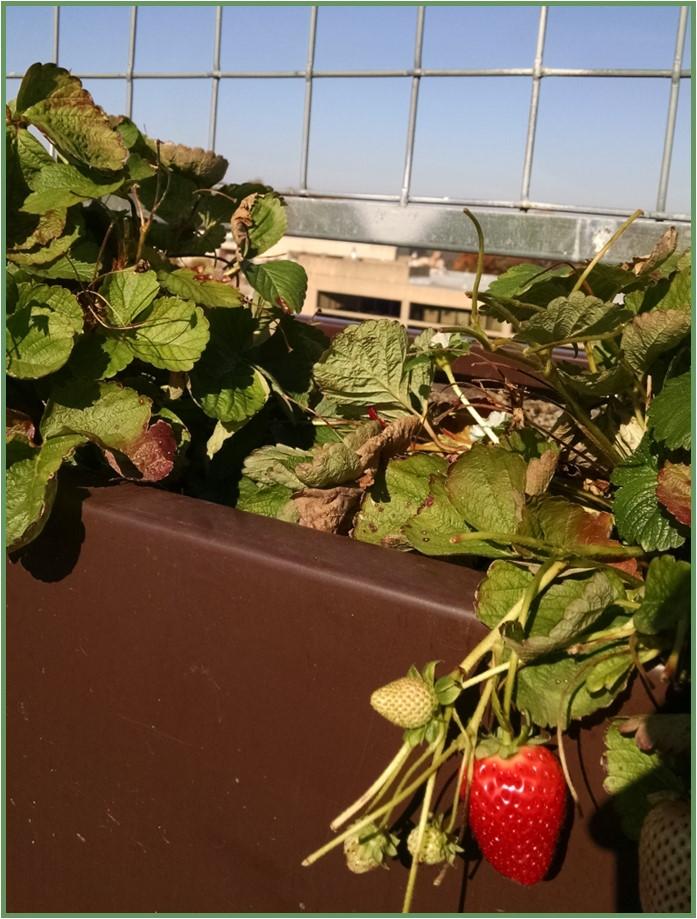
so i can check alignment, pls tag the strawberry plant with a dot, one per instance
(565, 478)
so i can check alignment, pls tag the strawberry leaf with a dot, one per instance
(390, 503)
(670, 415)
(633, 775)
(674, 490)
(487, 487)
(638, 515)
(666, 595)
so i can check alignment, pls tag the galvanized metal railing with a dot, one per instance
(370, 217)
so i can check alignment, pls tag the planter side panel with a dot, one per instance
(188, 709)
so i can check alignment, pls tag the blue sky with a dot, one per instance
(599, 140)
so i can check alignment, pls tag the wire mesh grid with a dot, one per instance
(536, 73)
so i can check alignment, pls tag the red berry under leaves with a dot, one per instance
(516, 810)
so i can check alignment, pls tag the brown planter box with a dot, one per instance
(187, 709)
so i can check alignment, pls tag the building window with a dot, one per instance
(373, 306)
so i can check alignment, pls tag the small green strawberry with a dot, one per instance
(664, 858)
(408, 702)
(437, 846)
(367, 849)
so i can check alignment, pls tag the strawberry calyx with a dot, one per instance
(505, 747)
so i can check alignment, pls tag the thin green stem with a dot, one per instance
(466, 757)
(421, 829)
(470, 331)
(428, 752)
(445, 366)
(390, 770)
(608, 245)
(406, 793)
(474, 294)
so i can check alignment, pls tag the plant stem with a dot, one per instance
(447, 369)
(472, 332)
(608, 245)
(589, 550)
(474, 295)
(407, 792)
(407, 775)
(392, 767)
(423, 819)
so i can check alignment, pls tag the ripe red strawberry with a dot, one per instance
(516, 810)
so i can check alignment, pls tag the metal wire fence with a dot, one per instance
(364, 217)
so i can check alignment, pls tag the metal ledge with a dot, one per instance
(532, 234)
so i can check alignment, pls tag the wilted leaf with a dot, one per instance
(395, 498)
(540, 472)
(663, 249)
(651, 334)
(148, 459)
(204, 167)
(55, 102)
(667, 733)
(328, 509)
(281, 283)
(674, 490)
(670, 414)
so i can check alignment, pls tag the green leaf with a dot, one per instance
(267, 500)
(670, 415)
(679, 293)
(128, 293)
(55, 103)
(99, 356)
(110, 415)
(666, 595)
(184, 283)
(39, 230)
(501, 589)
(33, 156)
(275, 465)
(487, 486)
(62, 185)
(41, 331)
(639, 517)
(269, 225)
(674, 490)
(520, 279)
(566, 611)
(554, 692)
(606, 382)
(390, 503)
(79, 265)
(437, 521)
(232, 397)
(282, 283)
(364, 367)
(31, 485)
(171, 334)
(651, 334)
(633, 776)
(572, 317)
(45, 253)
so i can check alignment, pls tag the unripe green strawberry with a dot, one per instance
(366, 849)
(408, 702)
(437, 846)
(664, 858)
